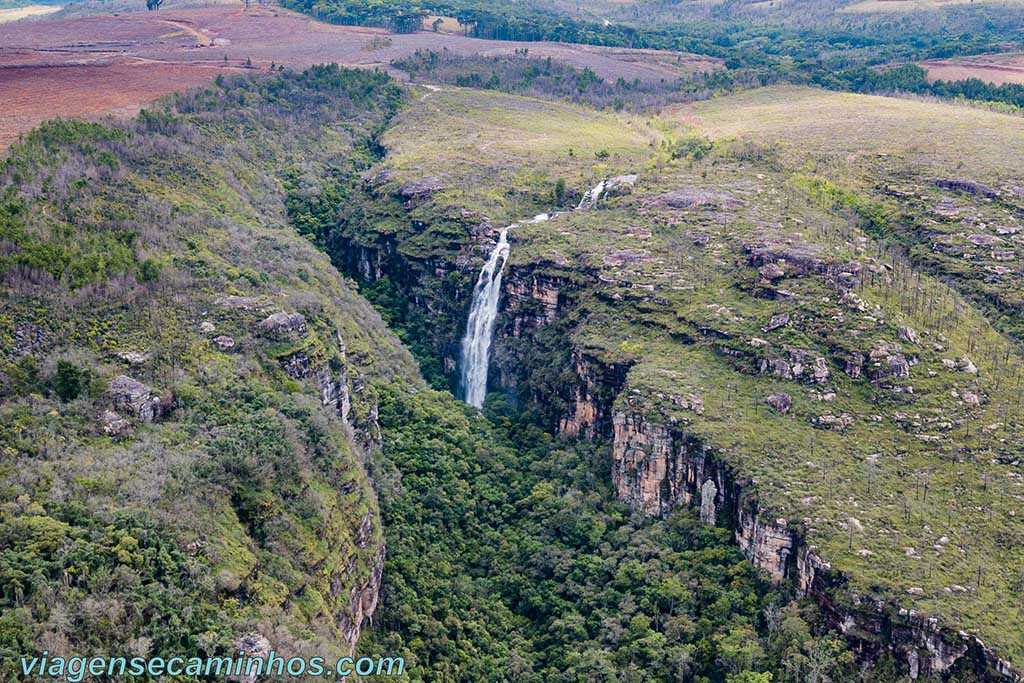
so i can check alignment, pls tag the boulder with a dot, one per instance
(853, 364)
(777, 321)
(113, 424)
(781, 402)
(771, 271)
(224, 342)
(135, 398)
(620, 185)
(966, 365)
(244, 303)
(134, 358)
(908, 334)
(283, 323)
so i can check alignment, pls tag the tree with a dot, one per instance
(560, 191)
(153, 4)
(70, 381)
(749, 677)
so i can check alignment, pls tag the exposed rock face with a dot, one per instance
(136, 398)
(707, 502)
(598, 384)
(532, 301)
(362, 601)
(422, 188)
(657, 466)
(282, 323)
(331, 380)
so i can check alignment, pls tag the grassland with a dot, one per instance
(26, 12)
(907, 481)
(559, 140)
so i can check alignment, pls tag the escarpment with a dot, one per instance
(659, 465)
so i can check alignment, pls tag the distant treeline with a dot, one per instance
(911, 78)
(834, 45)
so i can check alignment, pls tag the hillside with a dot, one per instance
(187, 402)
(737, 316)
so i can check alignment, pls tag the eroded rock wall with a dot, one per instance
(658, 466)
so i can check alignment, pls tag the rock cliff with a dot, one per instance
(658, 466)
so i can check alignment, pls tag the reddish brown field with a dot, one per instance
(997, 69)
(117, 63)
(32, 94)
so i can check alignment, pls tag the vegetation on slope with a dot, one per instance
(238, 501)
(217, 494)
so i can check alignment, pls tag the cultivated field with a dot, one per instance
(996, 68)
(32, 94)
(161, 52)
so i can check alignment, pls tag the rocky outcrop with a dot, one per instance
(362, 600)
(966, 186)
(801, 260)
(282, 324)
(598, 384)
(798, 364)
(658, 466)
(532, 301)
(137, 399)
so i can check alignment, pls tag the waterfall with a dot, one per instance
(483, 312)
(592, 196)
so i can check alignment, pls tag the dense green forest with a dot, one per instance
(510, 560)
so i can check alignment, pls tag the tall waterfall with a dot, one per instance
(476, 344)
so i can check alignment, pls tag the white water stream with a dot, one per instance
(476, 344)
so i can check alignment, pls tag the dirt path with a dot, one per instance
(204, 40)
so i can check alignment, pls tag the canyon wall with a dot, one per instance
(658, 466)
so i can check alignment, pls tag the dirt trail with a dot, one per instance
(204, 40)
